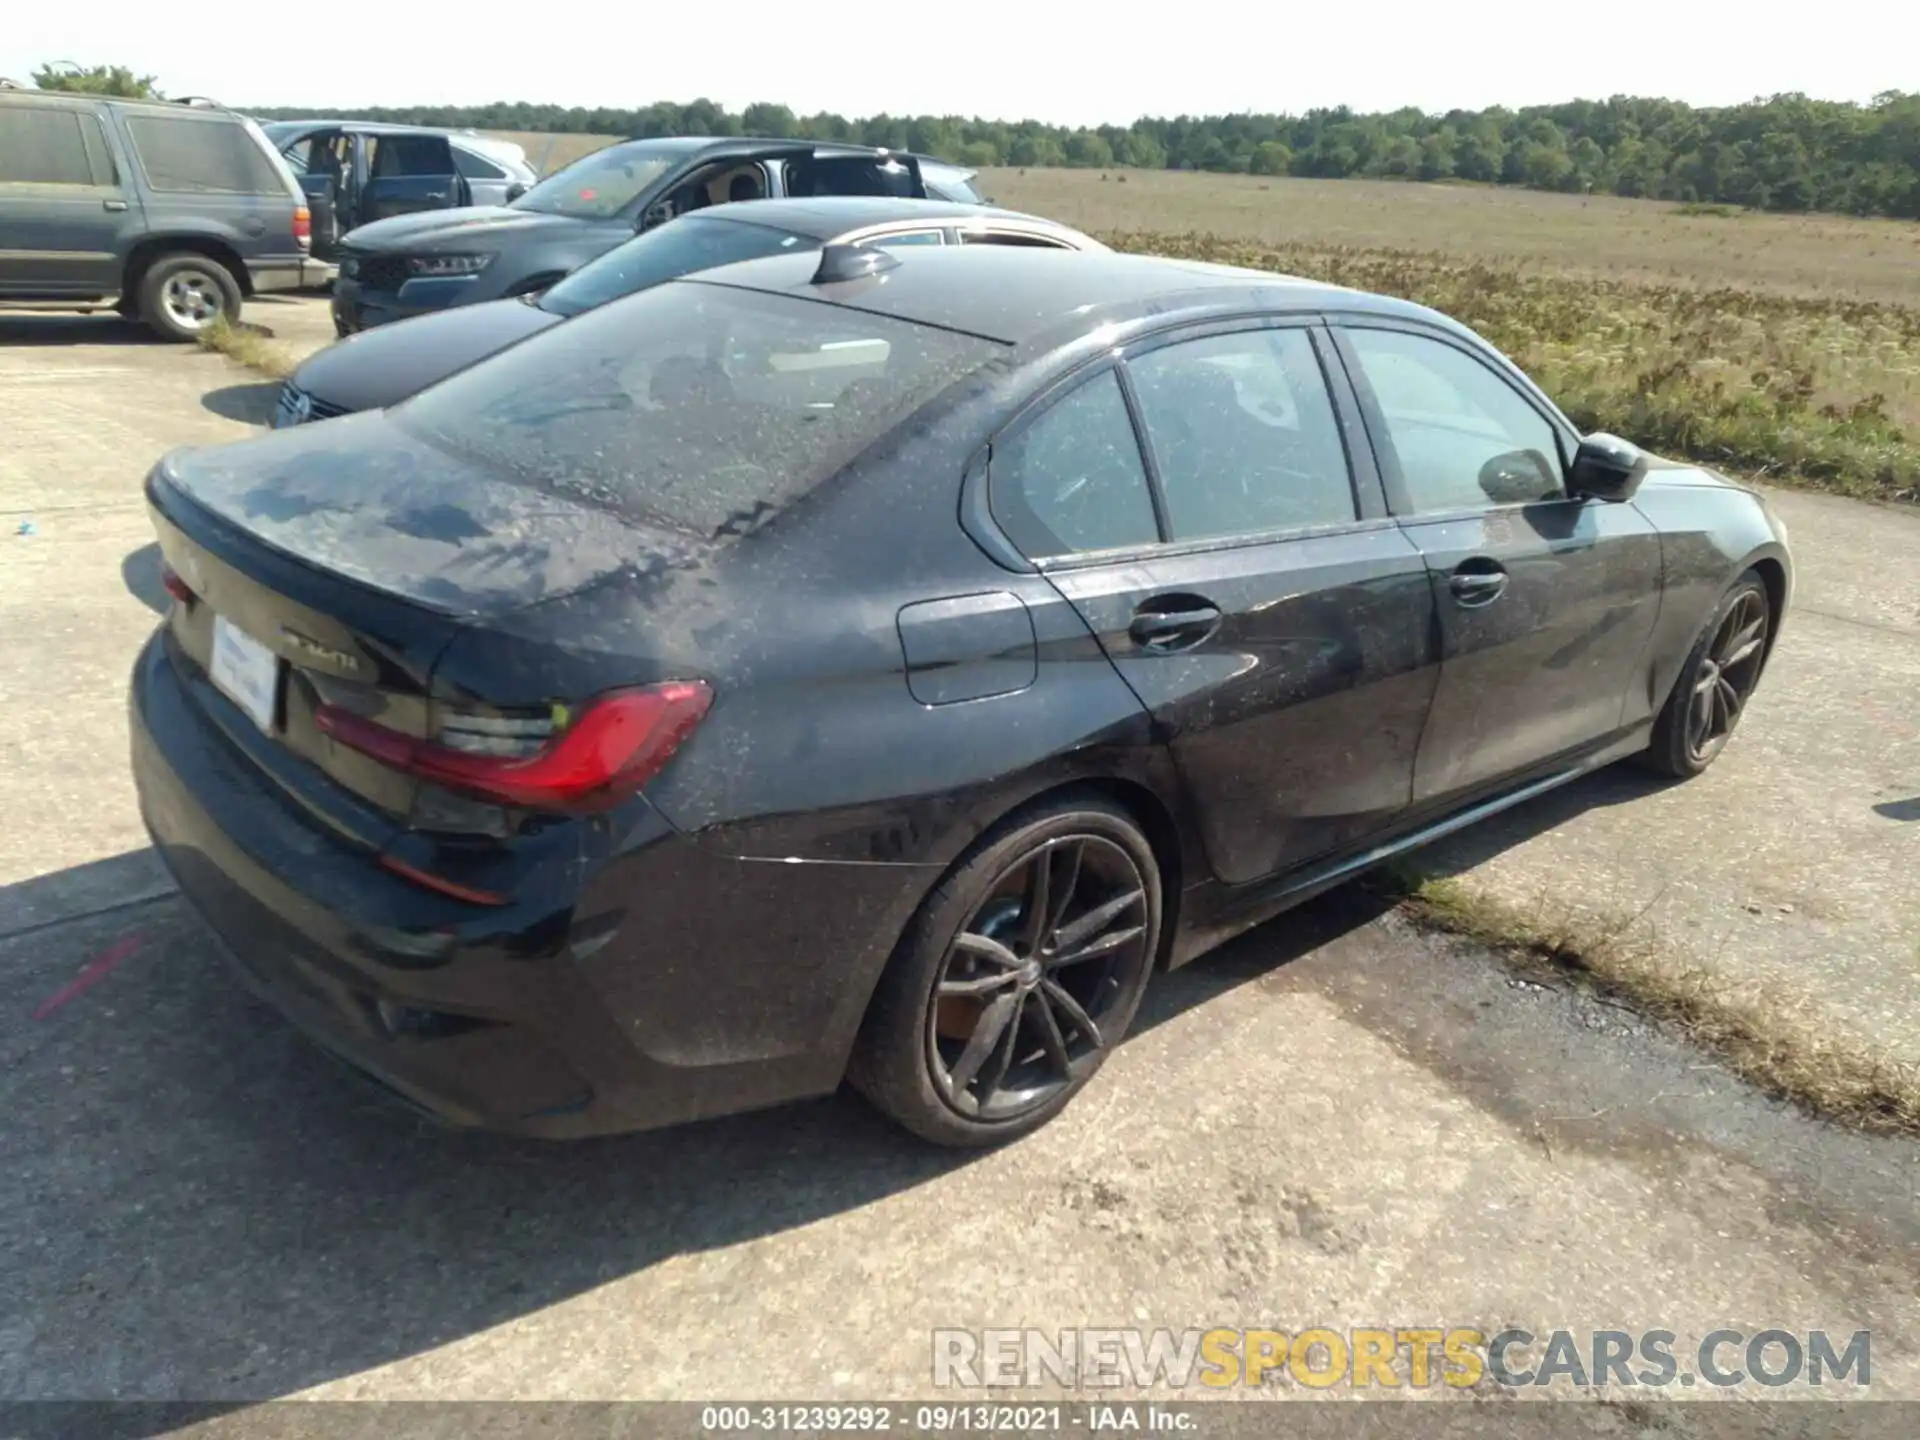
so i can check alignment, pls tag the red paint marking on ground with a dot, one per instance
(95, 970)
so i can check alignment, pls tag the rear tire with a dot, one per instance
(1027, 1008)
(183, 294)
(1715, 684)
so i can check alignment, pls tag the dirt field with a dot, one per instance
(1821, 256)
(547, 153)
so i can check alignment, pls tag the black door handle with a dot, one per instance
(1174, 629)
(1478, 581)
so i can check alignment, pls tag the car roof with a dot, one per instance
(726, 144)
(822, 217)
(1015, 293)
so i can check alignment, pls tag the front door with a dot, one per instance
(322, 161)
(1281, 642)
(70, 217)
(1546, 603)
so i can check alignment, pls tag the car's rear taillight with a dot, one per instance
(175, 586)
(588, 761)
(303, 227)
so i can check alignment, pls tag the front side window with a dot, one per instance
(185, 155)
(1072, 480)
(700, 408)
(689, 244)
(601, 185)
(1244, 434)
(1462, 436)
(43, 146)
(910, 237)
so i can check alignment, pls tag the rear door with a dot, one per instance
(67, 216)
(1197, 505)
(1545, 602)
(406, 174)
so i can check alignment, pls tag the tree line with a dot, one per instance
(1786, 152)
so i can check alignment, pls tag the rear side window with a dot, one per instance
(852, 175)
(194, 156)
(690, 243)
(396, 155)
(698, 407)
(1072, 480)
(49, 146)
(1244, 433)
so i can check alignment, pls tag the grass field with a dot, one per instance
(1786, 347)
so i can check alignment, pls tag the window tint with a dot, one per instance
(474, 168)
(1464, 437)
(44, 147)
(1072, 480)
(697, 407)
(911, 237)
(851, 175)
(396, 155)
(693, 242)
(1008, 237)
(185, 155)
(1244, 434)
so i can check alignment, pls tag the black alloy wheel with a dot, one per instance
(1050, 933)
(1715, 684)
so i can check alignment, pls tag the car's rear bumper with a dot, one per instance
(695, 986)
(276, 274)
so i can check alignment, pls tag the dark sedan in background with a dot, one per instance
(384, 366)
(413, 264)
(879, 662)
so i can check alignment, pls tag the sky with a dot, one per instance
(1076, 64)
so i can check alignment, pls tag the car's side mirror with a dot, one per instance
(515, 191)
(1605, 467)
(655, 215)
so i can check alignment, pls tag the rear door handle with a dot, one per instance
(1181, 628)
(114, 205)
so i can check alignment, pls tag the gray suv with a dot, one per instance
(170, 212)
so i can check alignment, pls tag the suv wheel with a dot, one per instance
(181, 295)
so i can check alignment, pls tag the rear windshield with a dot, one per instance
(601, 185)
(694, 406)
(677, 248)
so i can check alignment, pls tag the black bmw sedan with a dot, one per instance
(384, 366)
(881, 664)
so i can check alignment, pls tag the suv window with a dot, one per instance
(1463, 437)
(395, 155)
(474, 168)
(47, 145)
(192, 155)
(1072, 479)
(696, 407)
(852, 175)
(1244, 433)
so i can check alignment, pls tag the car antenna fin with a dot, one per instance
(852, 262)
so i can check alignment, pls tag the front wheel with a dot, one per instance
(1018, 977)
(1715, 683)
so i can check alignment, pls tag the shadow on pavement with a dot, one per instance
(140, 573)
(250, 404)
(102, 327)
(203, 1205)
(1620, 784)
(1899, 809)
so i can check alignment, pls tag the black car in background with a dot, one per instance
(384, 366)
(171, 213)
(396, 268)
(878, 663)
(358, 171)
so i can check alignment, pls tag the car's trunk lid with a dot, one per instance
(352, 556)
